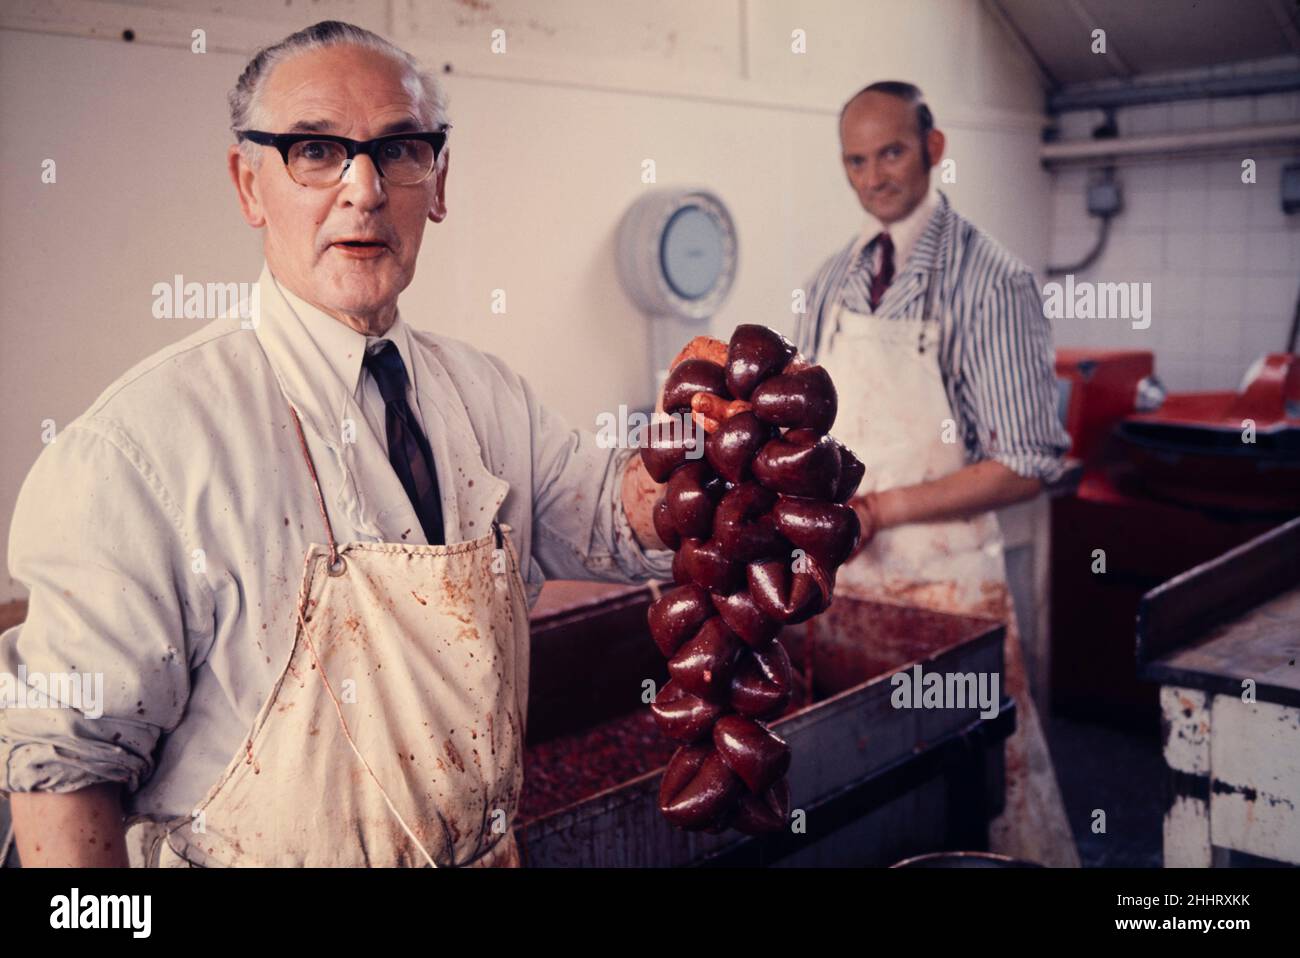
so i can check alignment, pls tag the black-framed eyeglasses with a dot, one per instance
(322, 159)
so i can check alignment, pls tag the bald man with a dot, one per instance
(936, 338)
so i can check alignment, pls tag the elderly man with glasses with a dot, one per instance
(301, 550)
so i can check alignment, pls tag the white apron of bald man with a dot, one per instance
(300, 544)
(936, 340)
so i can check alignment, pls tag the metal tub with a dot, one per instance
(870, 784)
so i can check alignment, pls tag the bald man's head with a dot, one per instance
(888, 146)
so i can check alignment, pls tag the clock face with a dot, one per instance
(677, 253)
(692, 252)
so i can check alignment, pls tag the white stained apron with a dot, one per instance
(893, 410)
(394, 734)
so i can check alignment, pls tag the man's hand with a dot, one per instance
(868, 519)
(81, 829)
(640, 493)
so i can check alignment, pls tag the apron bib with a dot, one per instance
(893, 407)
(394, 734)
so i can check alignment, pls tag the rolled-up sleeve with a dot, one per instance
(116, 603)
(580, 530)
(1010, 381)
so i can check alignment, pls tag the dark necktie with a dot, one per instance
(885, 275)
(408, 449)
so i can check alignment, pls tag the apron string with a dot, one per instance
(930, 284)
(320, 498)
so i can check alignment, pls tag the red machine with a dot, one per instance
(1164, 488)
(1234, 450)
(1099, 387)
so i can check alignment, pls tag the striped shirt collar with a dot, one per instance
(906, 232)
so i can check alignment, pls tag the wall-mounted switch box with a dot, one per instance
(1291, 188)
(1104, 198)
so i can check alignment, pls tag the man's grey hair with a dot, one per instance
(245, 98)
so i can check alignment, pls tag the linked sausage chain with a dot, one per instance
(759, 525)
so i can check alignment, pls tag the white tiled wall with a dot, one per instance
(1222, 258)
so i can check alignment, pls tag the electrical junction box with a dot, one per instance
(1291, 188)
(1104, 198)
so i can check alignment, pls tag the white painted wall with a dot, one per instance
(1222, 258)
(547, 153)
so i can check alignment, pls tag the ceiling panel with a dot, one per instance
(1152, 36)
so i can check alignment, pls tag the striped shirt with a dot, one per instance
(995, 344)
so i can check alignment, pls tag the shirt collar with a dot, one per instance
(906, 231)
(344, 348)
(317, 362)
